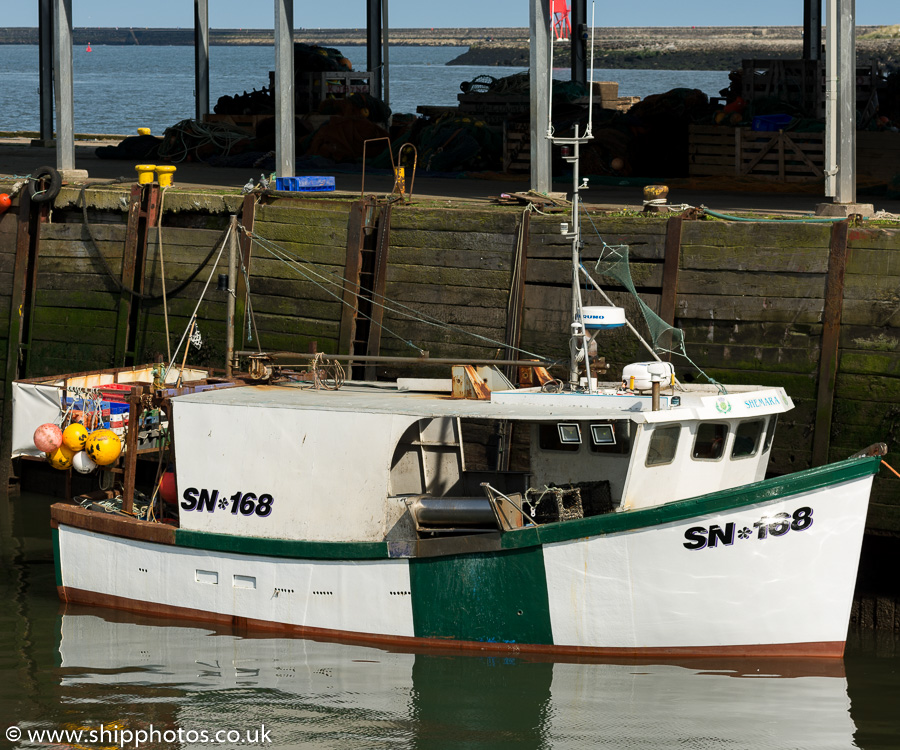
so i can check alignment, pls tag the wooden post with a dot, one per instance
(131, 447)
(242, 311)
(382, 249)
(669, 295)
(830, 351)
(231, 292)
(352, 266)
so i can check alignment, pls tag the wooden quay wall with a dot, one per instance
(811, 307)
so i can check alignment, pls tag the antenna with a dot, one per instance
(588, 133)
(550, 83)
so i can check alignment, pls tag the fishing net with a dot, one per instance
(666, 339)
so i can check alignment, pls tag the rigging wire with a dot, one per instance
(398, 308)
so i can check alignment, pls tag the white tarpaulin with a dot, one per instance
(33, 405)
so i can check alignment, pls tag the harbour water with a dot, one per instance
(176, 684)
(118, 89)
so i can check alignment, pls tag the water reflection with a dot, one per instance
(116, 667)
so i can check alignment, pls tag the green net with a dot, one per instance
(665, 339)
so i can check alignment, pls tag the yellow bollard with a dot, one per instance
(165, 173)
(143, 131)
(399, 180)
(145, 173)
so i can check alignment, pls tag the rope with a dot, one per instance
(175, 146)
(396, 308)
(162, 272)
(115, 279)
(802, 220)
(193, 319)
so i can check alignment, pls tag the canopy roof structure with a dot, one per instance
(544, 18)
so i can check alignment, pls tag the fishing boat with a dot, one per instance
(560, 515)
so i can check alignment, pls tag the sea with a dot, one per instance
(119, 89)
(88, 677)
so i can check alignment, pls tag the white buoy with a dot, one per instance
(83, 463)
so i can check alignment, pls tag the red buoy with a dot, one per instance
(89, 47)
(5, 202)
(167, 488)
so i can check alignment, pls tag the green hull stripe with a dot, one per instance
(56, 564)
(497, 597)
(715, 502)
(254, 545)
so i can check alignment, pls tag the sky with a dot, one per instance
(259, 14)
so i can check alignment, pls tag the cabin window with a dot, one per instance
(746, 438)
(603, 434)
(663, 442)
(611, 437)
(550, 436)
(709, 445)
(770, 432)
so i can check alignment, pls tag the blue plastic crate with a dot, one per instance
(305, 184)
(771, 123)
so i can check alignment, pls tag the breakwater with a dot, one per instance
(752, 298)
(663, 48)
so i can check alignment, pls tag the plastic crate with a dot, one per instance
(305, 184)
(771, 123)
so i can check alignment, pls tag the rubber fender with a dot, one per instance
(45, 196)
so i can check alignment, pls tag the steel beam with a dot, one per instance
(579, 40)
(45, 52)
(201, 57)
(386, 77)
(373, 46)
(62, 60)
(284, 88)
(846, 102)
(812, 29)
(539, 77)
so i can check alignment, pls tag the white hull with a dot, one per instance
(634, 591)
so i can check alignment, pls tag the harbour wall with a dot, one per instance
(769, 303)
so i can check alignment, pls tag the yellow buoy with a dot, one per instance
(103, 446)
(143, 131)
(74, 437)
(61, 458)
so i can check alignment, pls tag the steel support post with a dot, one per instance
(62, 61)
(846, 102)
(812, 29)
(579, 39)
(45, 52)
(386, 77)
(373, 46)
(284, 88)
(539, 77)
(201, 57)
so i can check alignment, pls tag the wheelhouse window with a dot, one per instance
(551, 436)
(746, 438)
(770, 432)
(611, 437)
(663, 444)
(709, 445)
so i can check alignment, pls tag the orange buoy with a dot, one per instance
(5, 202)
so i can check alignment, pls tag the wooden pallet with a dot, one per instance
(800, 83)
(782, 156)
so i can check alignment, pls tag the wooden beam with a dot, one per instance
(382, 249)
(669, 297)
(353, 263)
(829, 355)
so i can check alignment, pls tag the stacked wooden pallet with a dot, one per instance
(778, 155)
